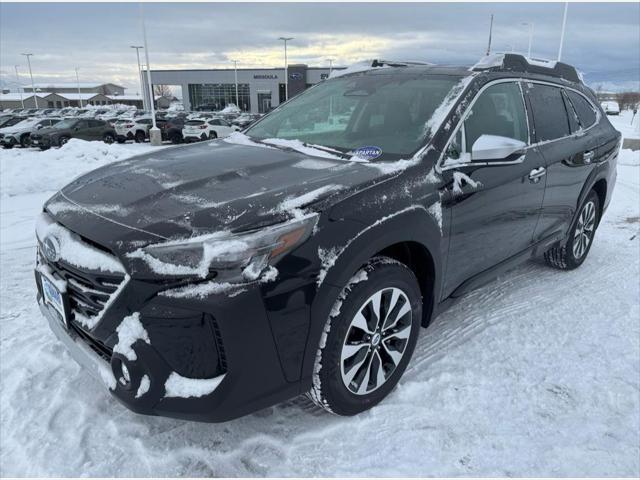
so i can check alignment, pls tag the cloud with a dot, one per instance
(601, 39)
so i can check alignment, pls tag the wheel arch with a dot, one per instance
(600, 187)
(411, 238)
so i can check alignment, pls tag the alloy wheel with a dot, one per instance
(376, 341)
(584, 230)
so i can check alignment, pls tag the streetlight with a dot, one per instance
(286, 68)
(155, 137)
(19, 87)
(144, 97)
(330, 60)
(33, 87)
(78, 84)
(530, 25)
(235, 72)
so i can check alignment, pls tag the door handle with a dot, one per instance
(536, 174)
(588, 156)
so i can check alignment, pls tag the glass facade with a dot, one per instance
(217, 95)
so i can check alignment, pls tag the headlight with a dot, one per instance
(244, 255)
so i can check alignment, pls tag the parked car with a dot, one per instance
(206, 129)
(171, 128)
(225, 278)
(133, 129)
(244, 120)
(68, 128)
(20, 134)
(611, 108)
(9, 120)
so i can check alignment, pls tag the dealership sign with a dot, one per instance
(269, 76)
(295, 76)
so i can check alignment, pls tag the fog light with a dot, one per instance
(126, 377)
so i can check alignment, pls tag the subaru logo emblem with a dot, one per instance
(295, 76)
(51, 248)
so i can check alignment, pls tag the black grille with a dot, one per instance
(95, 345)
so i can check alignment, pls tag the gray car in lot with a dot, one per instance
(82, 128)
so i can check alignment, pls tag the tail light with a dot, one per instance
(202, 127)
(129, 125)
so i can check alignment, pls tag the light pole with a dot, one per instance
(144, 97)
(33, 87)
(330, 60)
(235, 73)
(78, 84)
(155, 137)
(19, 87)
(564, 24)
(530, 24)
(286, 68)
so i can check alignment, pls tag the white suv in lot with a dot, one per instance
(206, 129)
(133, 129)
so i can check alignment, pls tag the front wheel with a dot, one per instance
(139, 137)
(368, 339)
(574, 253)
(108, 138)
(213, 135)
(25, 140)
(63, 140)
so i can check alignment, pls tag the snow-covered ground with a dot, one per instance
(536, 374)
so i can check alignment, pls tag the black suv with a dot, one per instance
(208, 281)
(82, 128)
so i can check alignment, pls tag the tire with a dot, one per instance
(63, 140)
(139, 137)
(348, 356)
(213, 135)
(176, 138)
(120, 140)
(108, 138)
(25, 140)
(581, 235)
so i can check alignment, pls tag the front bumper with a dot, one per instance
(218, 345)
(8, 140)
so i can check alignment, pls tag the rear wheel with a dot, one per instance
(139, 137)
(574, 253)
(368, 339)
(63, 140)
(176, 138)
(25, 140)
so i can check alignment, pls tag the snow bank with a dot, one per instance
(28, 170)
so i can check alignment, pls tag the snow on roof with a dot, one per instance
(15, 96)
(77, 96)
(124, 97)
(71, 85)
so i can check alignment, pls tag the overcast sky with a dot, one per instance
(602, 39)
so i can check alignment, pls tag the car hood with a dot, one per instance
(210, 186)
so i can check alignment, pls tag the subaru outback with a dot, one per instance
(304, 255)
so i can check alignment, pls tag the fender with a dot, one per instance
(411, 224)
(601, 172)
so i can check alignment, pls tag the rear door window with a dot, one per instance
(549, 112)
(586, 113)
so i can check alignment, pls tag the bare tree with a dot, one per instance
(162, 91)
(628, 100)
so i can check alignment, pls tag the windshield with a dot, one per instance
(389, 112)
(12, 121)
(64, 124)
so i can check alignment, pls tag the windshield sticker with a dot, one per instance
(367, 153)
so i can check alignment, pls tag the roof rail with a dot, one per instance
(514, 62)
(397, 63)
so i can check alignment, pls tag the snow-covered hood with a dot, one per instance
(18, 128)
(210, 186)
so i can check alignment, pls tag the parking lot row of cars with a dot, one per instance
(46, 128)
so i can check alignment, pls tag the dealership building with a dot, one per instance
(258, 89)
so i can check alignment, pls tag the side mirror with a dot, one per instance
(494, 148)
